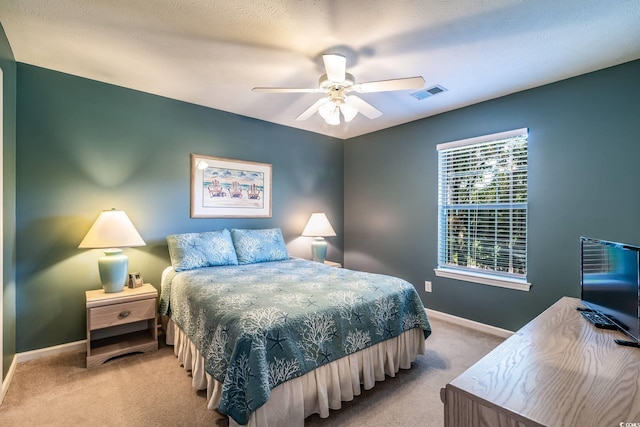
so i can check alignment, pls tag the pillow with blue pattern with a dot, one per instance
(206, 249)
(253, 246)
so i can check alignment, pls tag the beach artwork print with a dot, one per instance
(229, 188)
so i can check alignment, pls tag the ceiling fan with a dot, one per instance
(337, 83)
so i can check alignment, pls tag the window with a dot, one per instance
(482, 209)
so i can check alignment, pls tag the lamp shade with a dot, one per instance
(112, 230)
(318, 226)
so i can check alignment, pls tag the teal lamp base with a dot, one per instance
(113, 267)
(318, 249)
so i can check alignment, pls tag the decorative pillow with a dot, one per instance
(254, 246)
(206, 249)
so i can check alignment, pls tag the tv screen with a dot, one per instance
(610, 281)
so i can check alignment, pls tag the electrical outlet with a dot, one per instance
(427, 286)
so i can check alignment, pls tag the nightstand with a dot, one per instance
(333, 264)
(120, 323)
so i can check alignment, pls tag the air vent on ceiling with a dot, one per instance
(429, 92)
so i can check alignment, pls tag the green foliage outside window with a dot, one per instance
(483, 207)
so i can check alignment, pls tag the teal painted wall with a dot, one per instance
(86, 146)
(8, 66)
(583, 180)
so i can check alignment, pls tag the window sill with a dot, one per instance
(484, 279)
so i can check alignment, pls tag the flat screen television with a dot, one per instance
(610, 281)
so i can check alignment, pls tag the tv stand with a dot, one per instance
(558, 370)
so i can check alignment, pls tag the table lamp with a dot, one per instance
(111, 231)
(318, 227)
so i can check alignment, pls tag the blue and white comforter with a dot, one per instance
(259, 325)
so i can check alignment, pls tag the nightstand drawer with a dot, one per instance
(119, 314)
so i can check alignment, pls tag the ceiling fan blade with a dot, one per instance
(364, 107)
(287, 90)
(389, 85)
(336, 66)
(311, 110)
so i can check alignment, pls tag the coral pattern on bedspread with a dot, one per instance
(259, 325)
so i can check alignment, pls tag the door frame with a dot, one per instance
(2, 388)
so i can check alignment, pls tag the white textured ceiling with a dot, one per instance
(213, 52)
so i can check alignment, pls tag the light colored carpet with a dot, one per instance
(153, 390)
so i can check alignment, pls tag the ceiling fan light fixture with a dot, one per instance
(337, 83)
(327, 109)
(334, 119)
(348, 111)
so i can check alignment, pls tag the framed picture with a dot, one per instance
(227, 188)
(135, 280)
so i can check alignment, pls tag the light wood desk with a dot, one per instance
(558, 370)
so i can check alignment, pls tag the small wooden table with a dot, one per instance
(121, 322)
(558, 370)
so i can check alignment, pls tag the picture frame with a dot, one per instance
(228, 188)
(135, 280)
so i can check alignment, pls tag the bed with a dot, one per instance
(274, 339)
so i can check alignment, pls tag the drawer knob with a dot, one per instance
(124, 314)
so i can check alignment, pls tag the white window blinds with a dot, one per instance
(482, 204)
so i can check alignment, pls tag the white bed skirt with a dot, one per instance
(315, 392)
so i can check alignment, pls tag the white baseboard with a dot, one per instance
(52, 351)
(472, 324)
(37, 354)
(6, 381)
